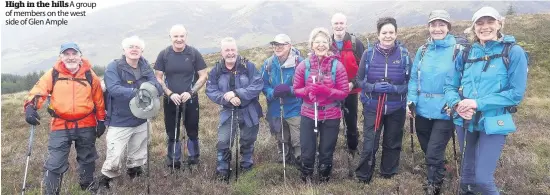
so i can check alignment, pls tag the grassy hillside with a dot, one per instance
(523, 169)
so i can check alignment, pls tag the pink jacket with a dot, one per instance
(328, 103)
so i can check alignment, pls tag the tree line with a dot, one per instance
(13, 83)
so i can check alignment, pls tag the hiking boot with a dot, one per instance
(194, 151)
(134, 172)
(307, 173)
(324, 172)
(222, 175)
(387, 176)
(245, 169)
(103, 181)
(467, 189)
(193, 160)
(432, 189)
(177, 165)
(89, 187)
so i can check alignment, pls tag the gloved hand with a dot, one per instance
(100, 129)
(31, 116)
(381, 87)
(281, 90)
(312, 97)
(321, 90)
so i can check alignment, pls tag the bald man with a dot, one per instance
(181, 70)
(349, 50)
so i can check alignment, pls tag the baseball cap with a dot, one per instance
(69, 45)
(439, 15)
(486, 11)
(281, 38)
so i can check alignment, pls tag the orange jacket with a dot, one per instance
(70, 99)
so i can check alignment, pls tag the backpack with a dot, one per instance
(332, 70)
(55, 77)
(243, 62)
(461, 43)
(505, 55)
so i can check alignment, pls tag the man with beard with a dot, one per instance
(235, 84)
(349, 50)
(181, 71)
(78, 114)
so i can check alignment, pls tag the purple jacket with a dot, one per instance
(376, 65)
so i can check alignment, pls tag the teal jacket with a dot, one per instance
(493, 90)
(427, 76)
(272, 77)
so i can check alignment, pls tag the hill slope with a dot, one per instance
(523, 168)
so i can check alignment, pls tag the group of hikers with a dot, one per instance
(448, 88)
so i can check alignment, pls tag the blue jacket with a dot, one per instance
(494, 89)
(376, 65)
(427, 74)
(121, 91)
(272, 78)
(248, 86)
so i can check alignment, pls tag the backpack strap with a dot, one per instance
(333, 69)
(308, 66)
(506, 54)
(424, 48)
(405, 62)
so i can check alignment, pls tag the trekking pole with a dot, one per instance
(230, 140)
(148, 155)
(237, 150)
(315, 107)
(29, 151)
(454, 149)
(376, 124)
(412, 108)
(283, 141)
(175, 138)
(466, 124)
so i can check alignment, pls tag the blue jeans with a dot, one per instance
(480, 159)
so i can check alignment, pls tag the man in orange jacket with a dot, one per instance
(78, 114)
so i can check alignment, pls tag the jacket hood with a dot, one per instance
(290, 62)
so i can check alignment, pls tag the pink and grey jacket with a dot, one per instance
(328, 104)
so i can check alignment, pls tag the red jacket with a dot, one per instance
(349, 60)
(338, 90)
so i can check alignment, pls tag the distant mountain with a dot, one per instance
(253, 24)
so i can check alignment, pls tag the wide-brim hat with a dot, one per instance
(148, 105)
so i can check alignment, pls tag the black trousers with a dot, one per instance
(350, 118)
(433, 136)
(189, 111)
(391, 144)
(328, 136)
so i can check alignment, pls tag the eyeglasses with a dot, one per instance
(320, 42)
(279, 45)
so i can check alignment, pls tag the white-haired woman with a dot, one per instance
(322, 82)
(126, 132)
(488, 81)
